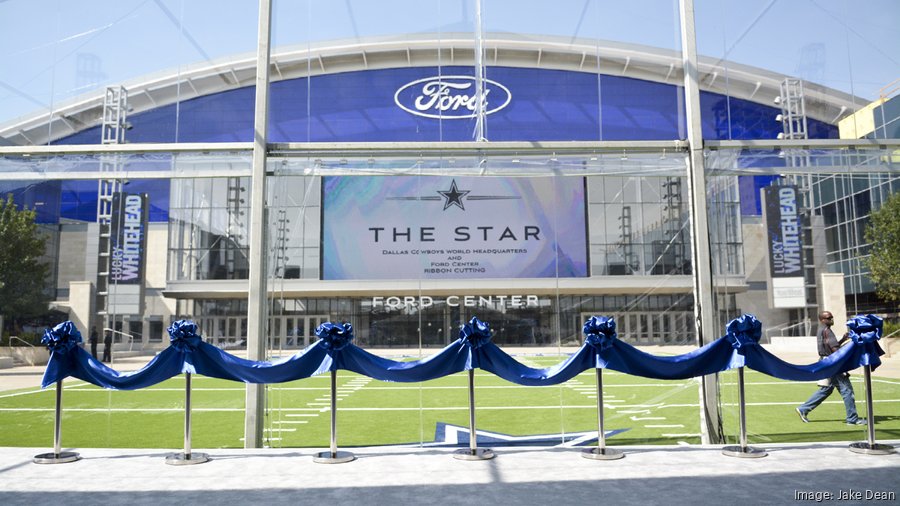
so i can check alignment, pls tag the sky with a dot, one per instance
(54, 50)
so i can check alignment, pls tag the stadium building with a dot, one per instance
(413, 182)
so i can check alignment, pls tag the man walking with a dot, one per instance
(828, 344)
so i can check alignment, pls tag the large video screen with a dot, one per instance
(436, 227)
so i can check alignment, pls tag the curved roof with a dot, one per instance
(583, 55)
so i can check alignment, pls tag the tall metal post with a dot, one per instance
(870, 447)
(473, 453)
(187, 457)
(601, 452)
(333, 456)
(58, 456)
(743, 450)
(704, 309)
(254, 415)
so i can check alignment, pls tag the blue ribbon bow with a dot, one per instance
(183, 335)
(477, 333)
(62, 338)
(745, 330)
(335, 337)
(865, 328)
(600, 332)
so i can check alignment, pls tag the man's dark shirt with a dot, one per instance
(828, 344)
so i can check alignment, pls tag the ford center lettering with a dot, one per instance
(450, 97)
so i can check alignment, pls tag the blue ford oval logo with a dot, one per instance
(450, 97)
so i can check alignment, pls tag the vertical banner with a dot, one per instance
(453, 227)
(128, 253)
(784, 231)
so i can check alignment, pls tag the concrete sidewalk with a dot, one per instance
(670, 475)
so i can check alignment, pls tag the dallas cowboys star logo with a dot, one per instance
(454, 196)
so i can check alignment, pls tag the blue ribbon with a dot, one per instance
(183, 336)
(865, 331)
(600, 332)
(477, 333)
(744, 330)
(62, 338)
(865, 328)
(335, 336)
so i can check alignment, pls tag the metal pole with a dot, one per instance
(180, 459)
(57, 420)
(473, 453)
(333, 456)
(743, 450)
(704, 307)
(187, 415)
(601, 452)
(254, 414)
(333, 414)
(870, 447)
(58, 456)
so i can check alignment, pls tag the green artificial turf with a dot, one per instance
(642, 411)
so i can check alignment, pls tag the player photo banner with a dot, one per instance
(452, 227)
(129, 238)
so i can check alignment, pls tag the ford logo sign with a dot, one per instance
(450, 97)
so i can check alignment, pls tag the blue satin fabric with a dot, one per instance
(863, 350)
(453, 359)
(335, 351)
(496, 361)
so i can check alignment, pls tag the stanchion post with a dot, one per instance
(187, 457)
(58, 456)
(601, 452)
(333, 456)
(473, 453)
(743, 451)
(870, 447)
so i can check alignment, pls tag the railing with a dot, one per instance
(785, 329)
(31, 361)
(125, 334)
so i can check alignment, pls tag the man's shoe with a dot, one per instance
(802, 416)
(858, 421)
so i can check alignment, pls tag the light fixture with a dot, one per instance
(779, 118)
(780, 136)
(624, 156)
(777, 99)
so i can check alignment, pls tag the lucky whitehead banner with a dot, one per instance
(785, 248)
(129, 238)
(452, 228)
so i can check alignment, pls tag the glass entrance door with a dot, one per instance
(293, 331)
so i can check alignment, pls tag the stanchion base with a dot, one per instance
(871, 449)
(746, 452)
(476, 454)
(186, 459)
(56, 458)
(602, 454)
(333, 458)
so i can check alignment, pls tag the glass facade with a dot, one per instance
(522, 162)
